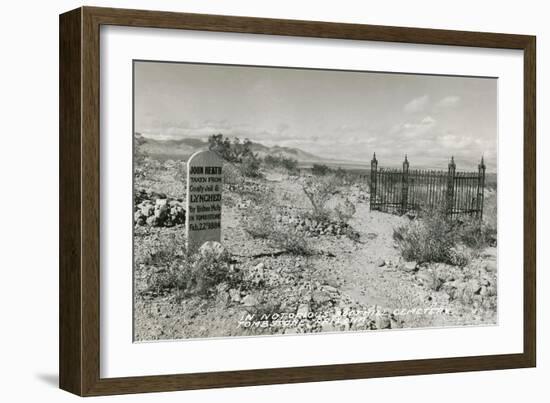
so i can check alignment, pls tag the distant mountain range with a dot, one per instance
(183, 148)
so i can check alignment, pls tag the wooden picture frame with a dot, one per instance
(79, 281)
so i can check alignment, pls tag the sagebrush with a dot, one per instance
(435, 237)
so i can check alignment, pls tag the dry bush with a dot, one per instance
(207, 271)
(145, 167)
(343, 212)
(291, 240)
(280, 161)
(319, 190)
(430, 239)
(250, 167)
(437, 238)
(173, 270)
(279, 236)
(320, 170)
(259, 221)
(477, 234)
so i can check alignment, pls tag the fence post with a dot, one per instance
(373, 179)
(405, 186)
(450, 186)
(481, 187)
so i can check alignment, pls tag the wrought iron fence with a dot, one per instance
(402, 190)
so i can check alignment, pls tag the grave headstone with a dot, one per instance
(204, 199)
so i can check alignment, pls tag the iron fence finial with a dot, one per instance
(452, 163)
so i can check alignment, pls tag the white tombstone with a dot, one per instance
(204, 199)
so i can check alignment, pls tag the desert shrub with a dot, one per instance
(289, 239)
(232, 151)
(319, 191)
(236, 151)
(159, 250)
(180, 172)
(271, 161)
(280, 161)
(343, 212)
(320, 170)
(163, 258)
(430, 239)
(145, 167)
(232, 175)
(172, 269)
(206, 271)
(437, 238)
(259, 221)
(477, 234)
(290, 164)
(250, 167)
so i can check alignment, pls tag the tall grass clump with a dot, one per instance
(434, 237)
(170, 269)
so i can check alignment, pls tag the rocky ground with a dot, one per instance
(351, 278)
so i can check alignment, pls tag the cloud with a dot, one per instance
(448, 102)
(414, 129)
(203, 129)
(417, 104)
(428, 120)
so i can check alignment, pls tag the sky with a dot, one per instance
(339, 115)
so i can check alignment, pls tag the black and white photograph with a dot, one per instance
(281, 201)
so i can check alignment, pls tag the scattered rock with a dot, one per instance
(380, 263)
(249, 300)
(235, 295)
(223, 297)
(330, 289)
(383, 321)
(222, 287)
(428, 280)
(483, 291)
(409, 266)
(214, 249)
(147, 208)
(474, 287)
(303, 311)
(320, 297)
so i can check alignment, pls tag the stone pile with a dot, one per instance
(474, 285)
(313, 227)
(157, 210)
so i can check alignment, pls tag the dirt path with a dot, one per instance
(367, 278)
